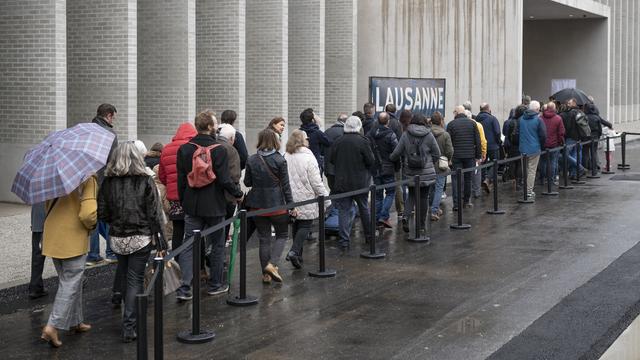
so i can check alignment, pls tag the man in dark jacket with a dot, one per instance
(466, 150)
(318, 141)
(353, 159)
(394, 123)
(369, 120)
(205, 206)
(572, 136)
(383, 142)
(595, 124)
(333, 133)
(105, 115)
(491, 128)
(229, 117)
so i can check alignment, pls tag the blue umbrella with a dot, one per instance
(64, 160)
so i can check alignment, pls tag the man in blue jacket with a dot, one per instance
(491, 128)
(533, 135)
(318, 141)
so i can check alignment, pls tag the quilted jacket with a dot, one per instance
(305, 181)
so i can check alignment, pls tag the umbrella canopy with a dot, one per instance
(64, 160)
(569, 93)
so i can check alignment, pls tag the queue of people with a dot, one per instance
(198, 185)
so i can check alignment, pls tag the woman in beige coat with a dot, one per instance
(68, 222)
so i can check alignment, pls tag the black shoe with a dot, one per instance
(116, 299)
(295, 260)
(38, 294)
(455, 209)
(405, 225)
(129, 336)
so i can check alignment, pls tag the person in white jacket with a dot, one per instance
(306, 183)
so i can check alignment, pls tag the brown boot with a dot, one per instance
(273, 271)
(50, 335)
(266, 279)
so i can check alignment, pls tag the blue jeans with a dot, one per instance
(572, 158)
(437, 195)
(345, 217)
(94, 248)
(554, 166)
(384, 197)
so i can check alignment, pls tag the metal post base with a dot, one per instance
(188, 338)
(420, 239)
(552, 193)
(624, 166)
(460, 227)
(607, 172)
(567, 187)
(237, 301)
(575, 182)
(496, 212)
(369, 255)
(327, 273)
(528, 201)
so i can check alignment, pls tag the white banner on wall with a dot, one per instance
(559, 84)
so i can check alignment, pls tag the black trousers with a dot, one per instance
(37, 263)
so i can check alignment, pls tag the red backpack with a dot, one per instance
(201, 173)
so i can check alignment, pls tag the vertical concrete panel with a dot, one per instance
(306, 58)
(267, 65)
(166, 66)
(102, 61)
(341, 56)
(221, 57)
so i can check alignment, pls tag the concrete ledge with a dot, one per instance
(586, 322)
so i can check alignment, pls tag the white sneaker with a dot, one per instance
(444, 196)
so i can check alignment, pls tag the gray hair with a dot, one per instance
(226, 131)
(126, 160)
(468, 113)
(534, 105)
(352, 125)
(142, 148)
(467, 105)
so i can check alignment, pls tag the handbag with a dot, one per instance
(176, 212)
(443, 163)
(171, 276)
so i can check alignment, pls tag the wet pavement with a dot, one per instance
(463, 296)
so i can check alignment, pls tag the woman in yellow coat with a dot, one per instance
(68, 223)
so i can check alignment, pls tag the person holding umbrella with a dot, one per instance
(61, 171)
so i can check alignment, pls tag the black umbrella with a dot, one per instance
(569, 93)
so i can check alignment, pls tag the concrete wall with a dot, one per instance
(166, 67)
(221, 57)
(474, 45)
(306, 58)
(580, 53)
(33, 79)
(102, 61)
(341, 58)
(267, 65)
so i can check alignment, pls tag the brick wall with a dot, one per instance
(306, 58)
(101, 61)
(166, 67)
(221, 59)
(267, 65)
(32, 69)
(340, 58)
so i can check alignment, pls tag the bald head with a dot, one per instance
(485, 107)
(383, 118)
(551, 106)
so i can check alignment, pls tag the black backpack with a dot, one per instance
(582, 126)
(415, 160)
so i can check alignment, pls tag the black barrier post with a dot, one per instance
(565, 168)
(607, 156)
(196, 335)
(243, 299)
(459, 225)
(525, 174)
(158, 295)
(373, 254)
(322, 271)
(624, 165)
(141, 325)
(593, 152)
(577, 181)
(417, 236)
(495, 210)
(550, 177)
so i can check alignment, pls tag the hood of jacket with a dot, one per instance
(437, 130)
(418, 130)
(310, 128)
(530, 115)
(102, 122)
(338, 124)
(266, 152)
(186, 131)
(381, 132)
(548, 114)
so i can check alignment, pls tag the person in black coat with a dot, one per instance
(333, 133)
(466, 150)
(205, 206)
(268, 177)
(595, 124)
(353, 159)
(318, 141)
(383, 142)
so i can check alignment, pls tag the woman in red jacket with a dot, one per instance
(168, 174)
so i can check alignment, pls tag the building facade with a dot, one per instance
(159, 62)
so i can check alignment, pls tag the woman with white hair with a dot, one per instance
(128, 201)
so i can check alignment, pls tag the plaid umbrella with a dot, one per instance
(62, 162)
